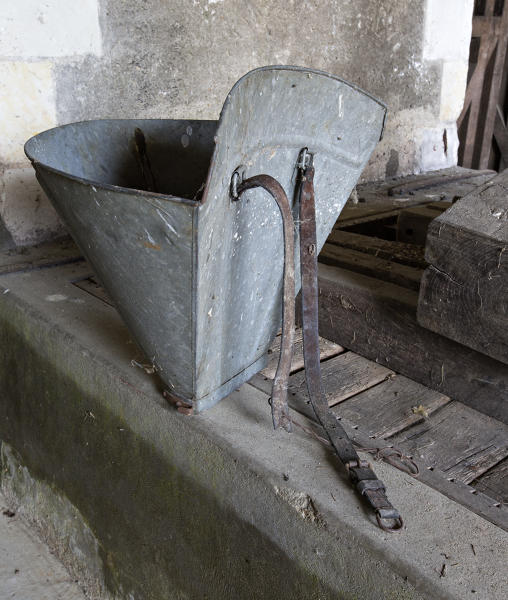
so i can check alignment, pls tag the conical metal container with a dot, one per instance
(197, 277)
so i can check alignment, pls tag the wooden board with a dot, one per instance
(474, 314)
(384, 409)
(444, 184)
(413, 223)
(464, 294)
(402, 253)
(457, 440)
(92, 286)
(435, 181)
(370, 215)
(360, 424)
(494, 482)
(390, 407)
(439, 206)
(472, 233)
(327, 350)
(480, 130)
(378, 320)
(342, 377)
(374, 266)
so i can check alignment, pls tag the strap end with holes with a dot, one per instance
(362, 476)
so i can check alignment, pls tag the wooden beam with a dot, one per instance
(494, 482)
(472, 99)
(373, 266)
(404, 254)
(458, 441)
(501, 135)
(342, 377)
(495, 86)
(327, 349)
(464, 293)
(378, 320)
(390, 407)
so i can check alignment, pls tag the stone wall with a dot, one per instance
(63, 61)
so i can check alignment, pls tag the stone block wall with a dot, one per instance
(64, 61)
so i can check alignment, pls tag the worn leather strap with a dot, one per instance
(280, 410)
(360, 472)
(362, 476)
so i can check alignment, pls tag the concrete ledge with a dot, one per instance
(157, 505)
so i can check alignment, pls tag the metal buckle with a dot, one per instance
(237, 178)
(357, 464)
(396, 519)
(305, 159)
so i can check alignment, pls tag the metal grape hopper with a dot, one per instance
(179, 222)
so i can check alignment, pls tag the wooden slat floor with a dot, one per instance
(459, 451)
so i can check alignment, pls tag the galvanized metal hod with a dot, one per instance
(196, 276)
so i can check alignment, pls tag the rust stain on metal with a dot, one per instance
(151, 246)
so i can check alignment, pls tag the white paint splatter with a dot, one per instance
(341, 106)
(56, 298)
(150, 238)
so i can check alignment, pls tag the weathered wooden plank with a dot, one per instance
(390, 407)
(469, 117)
(373, 266)
(439, 206)
(327, 349)
(464, 296)
(369, 215)
(432, 180)
(405, 254)
(493, 91)
(413, 223)
(352, 213)
(473, 233)
(456, 490)
(459, 441)
(342, 377)
(494, 482)
(449, 184)
(501, 136)
(474, 313)
(92, 286)
(378, 320)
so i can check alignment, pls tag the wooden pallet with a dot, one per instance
(459, 451)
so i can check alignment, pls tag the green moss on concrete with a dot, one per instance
(155, 525)
(160, 505)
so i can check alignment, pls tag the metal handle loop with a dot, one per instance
(280, 410)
